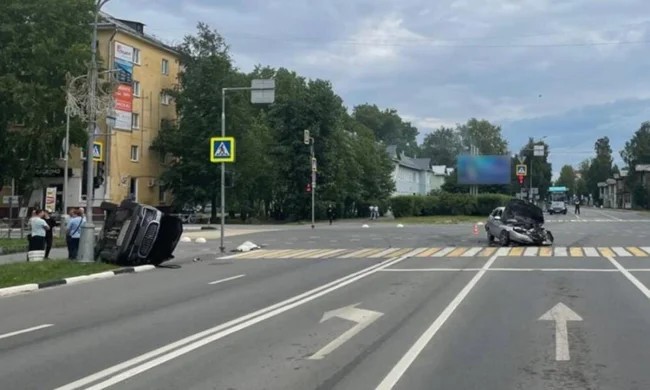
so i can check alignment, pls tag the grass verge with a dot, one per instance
(441, 219)
(18, 245)
(15, 274)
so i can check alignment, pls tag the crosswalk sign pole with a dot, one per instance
(222, 248)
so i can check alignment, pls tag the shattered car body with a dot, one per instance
(518, 222)
(137, 234)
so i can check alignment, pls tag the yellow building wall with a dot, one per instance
(151, 110)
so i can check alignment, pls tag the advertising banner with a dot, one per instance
(488, 169)
(50, 199)
(124, 98)
(124, 93)
(122, 120)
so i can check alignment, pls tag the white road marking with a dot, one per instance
(502, 252)
(444, 251)
(227, 279)
(207, 336)
(561, 314)
(403, 364)
(591, 252)
(620, 251)
(630, 277)
(471, 252)
(560, 251)
(646, 249)
(530, 251)
(507, 269)
(607, 215)
(362, 317)
(16, 333)
(429, 269)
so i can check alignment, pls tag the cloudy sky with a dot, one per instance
(571, 70)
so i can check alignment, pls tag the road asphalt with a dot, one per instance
(346, 307)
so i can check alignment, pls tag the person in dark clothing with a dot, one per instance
(577, 204)
(330, 213)
(49, 233)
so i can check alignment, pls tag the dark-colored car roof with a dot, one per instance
(523, 211)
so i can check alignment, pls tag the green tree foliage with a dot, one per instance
(601, 167)
(388, 127)
(273, 162)
(539, 168)
(567, 178)
(442, 146)
(41, 41)
(637, 151)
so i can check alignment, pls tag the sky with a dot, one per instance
(568, 70)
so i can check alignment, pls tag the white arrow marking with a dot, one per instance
(362, 317)
(560, 313)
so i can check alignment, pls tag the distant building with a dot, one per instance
(415, 176)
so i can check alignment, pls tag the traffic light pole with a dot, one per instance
(313, 183)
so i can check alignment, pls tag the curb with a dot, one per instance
(24, 288)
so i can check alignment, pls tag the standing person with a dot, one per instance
(73, 235)
(39, 228)
(330, 213)
(49, 233)
(577, 204)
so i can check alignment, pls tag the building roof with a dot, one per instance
(420, 164)
(132, 28)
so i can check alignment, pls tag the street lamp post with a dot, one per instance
(308, 140)
(262, 92)
(87, 242)
(538, 151)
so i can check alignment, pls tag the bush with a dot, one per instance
(446, 203)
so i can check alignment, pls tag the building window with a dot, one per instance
(135, 153)
(135, 121)
(136, 56)
(166, 99)
(136, 88)
(164, 67)
(133, 189)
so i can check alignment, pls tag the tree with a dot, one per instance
(567, 178)
(192, 178)
(540, 170)
(483, 134)
(40, 44)
(600, 168)
(388, 127)
(635, 152)
(442, 146)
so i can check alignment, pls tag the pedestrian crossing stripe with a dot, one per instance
(450, 251)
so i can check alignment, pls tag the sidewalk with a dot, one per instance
(56, 253)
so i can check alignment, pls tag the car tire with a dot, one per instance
(504, 238)
(490, 238)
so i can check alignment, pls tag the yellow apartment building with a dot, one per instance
(145, 68)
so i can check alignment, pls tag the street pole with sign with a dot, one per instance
(310, 141)
(262, 92)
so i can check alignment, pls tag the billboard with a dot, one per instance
(123, 95)
(487, 170)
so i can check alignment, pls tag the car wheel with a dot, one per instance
(504, 238)
(490, 238)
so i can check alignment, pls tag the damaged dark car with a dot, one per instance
(137, 234)
(519, 222)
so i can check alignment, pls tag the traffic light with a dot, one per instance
(521, 179)
(308, 187)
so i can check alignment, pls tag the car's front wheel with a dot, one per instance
(504, 238)
(490, 237)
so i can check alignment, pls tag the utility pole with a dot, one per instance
(310, 141)
(87, 242)
(473, 150)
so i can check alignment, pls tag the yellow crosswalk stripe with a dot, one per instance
(275, 254)
(575, 252)
(385, 253)
(401, 252)
(457, 252)
(517, 251)
(356, 253)
(606, 252)
(373, 252)
(324, 253)
(636, 251)
(300, 253)
(428, 252)
(487, 252)
(545, 251)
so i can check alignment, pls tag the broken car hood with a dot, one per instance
(523, 212)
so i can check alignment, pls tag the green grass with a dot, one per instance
(441, 219)
(15, 274)
(18, 245)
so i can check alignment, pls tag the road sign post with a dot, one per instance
(262, 92)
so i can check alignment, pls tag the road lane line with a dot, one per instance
(611, 218)
(223, 329)
(409, 357)
(429, 269)
(636, 251)
(509, 269)
(227, 279)
(32, 329)
(444, 251)
(530, 251)
(591, 252)
(472, 252)
(630, 277)
(620, 251)
(646, 248)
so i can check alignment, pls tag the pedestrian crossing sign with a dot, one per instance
(222, 149)
(521, 170)
(98, 151)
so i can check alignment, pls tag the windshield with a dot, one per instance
(558, 197)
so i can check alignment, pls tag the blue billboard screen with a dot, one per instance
(484, 169)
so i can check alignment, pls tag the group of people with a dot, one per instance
(374, 212)
(42, 225)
